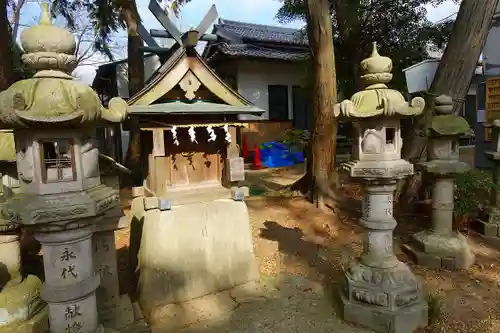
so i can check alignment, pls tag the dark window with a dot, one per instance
(278, 102)
(302, 112)
(57, 161)
(390, 135)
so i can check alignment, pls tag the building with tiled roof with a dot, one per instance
(266, 64)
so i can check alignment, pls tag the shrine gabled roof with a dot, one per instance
(184, 62)
(193, 108)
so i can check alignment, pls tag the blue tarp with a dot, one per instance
(274, 155)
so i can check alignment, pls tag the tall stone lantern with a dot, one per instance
(488, 224)
(61, 196)
(379, 291)
(441, 246)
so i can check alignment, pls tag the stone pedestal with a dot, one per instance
(21, 308)
(379, 291)
(488, 226)
(441, 246)
(115, 310)
(70, 283)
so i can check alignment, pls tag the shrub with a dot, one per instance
(296, 139)
(472, 191)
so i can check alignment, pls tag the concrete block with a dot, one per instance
(485, 228)
(194, 250)
(239, 193)
(150, 203)
(450, 263)
(421, 257)
(164, 204)
(137, 192)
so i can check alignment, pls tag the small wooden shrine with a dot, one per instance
(188, 118)
(190, 231)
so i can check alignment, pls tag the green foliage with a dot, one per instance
(400, 27)
(436, 307)
(472, 191)
(296, 139)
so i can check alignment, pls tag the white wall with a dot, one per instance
(254, 77)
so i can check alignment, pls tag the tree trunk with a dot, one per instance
(453, 76)
(321, 161)
(135, 64)
(6, 60)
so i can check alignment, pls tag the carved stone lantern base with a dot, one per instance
(384, 300)
(441, 246)
(380, 292)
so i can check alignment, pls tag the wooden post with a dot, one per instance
(234, 166)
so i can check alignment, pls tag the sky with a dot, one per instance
(252, 11)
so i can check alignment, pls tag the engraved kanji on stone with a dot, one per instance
(104, 246)
(75, 327)
(72, 311)
(69, 271)
(67, 255)
(104, 271)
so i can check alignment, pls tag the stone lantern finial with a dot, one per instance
(376, 70)
(52, 96)
(49, 49)
(377, 99)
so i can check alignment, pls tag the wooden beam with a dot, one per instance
(165, 34)
(165, 85)
(158, 143)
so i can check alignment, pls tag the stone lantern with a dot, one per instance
(61, 196)
(488, 225)
(441, 246)
(379, 291)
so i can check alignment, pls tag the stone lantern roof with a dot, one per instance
(52, 97)
(444, 123)
(377, 99)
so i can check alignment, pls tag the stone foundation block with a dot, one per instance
(194, 250)
(485, 228)
(423, 258)
(150, 203)
(450, 251)
(403, 320)
(383, 299)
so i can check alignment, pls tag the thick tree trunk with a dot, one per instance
(135, 64)
(6, 59)
(321, 161)
(452, 78)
